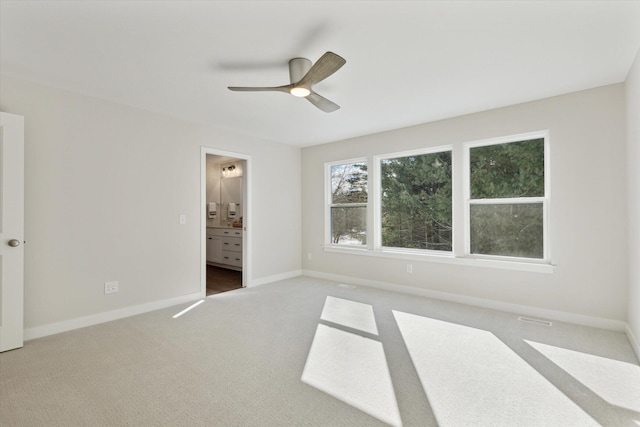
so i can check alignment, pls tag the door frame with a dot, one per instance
(246, 215)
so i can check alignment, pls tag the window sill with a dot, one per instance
(410, 255)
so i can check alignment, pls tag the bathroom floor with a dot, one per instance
(222, 280)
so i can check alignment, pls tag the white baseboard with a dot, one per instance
(579, 319)
(274, 278)
(633, 341)
(107, 316)
(94, 319)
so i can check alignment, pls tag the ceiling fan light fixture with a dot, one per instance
(300, 91)
(303, 75)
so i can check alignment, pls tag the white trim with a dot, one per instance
(416, 152)
(247, 259)
(274, 278)
(635, 344)
(458, 219)
(561, 316)
(328, 202)
(547, 194)
(349, 205)
(467, 146)
(107, 316)
(503, 263)
(376, 195)
(373, 213)
(509, 201)
(505, 139)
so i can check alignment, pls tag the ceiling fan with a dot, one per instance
(303, 76)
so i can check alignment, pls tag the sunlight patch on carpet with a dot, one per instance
(354, 370)
(614, 381)
(348, 313)
(472, 378)
(186, 310)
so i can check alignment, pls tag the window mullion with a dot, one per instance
(374, 222)
(507, 201)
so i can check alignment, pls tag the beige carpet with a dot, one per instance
(308, 352)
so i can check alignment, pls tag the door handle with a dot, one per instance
(14, 243)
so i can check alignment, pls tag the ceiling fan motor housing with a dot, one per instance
(298, 68)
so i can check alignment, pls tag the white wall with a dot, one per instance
(105, 185)
(588, 216)
(632, 91)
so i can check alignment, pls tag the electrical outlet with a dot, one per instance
(110, 287)
(409, 268)
(309, 256)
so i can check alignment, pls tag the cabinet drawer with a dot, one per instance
(233, 232)
(232, 244)
(225, 232)
(232, 258)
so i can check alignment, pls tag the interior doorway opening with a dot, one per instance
(220, 279)
(224, 221)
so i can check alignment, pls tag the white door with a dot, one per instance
(11, 231)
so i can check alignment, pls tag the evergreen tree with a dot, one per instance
(416, 202)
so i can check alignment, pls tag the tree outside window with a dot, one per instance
(348, 204)
(416, 201)
(507, 199)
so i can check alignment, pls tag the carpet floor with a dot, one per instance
(310, 352)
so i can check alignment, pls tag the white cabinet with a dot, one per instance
(224, 247)
(214, 248)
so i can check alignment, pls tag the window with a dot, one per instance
(507, 200)
(482, 203)
(415, 201)
(348, 203)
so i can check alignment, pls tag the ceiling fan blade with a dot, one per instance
(285, 88)
(328, 64)
(322, 103)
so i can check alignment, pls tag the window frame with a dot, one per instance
(460, 254)
(377, 201)
(329, 203)
(544, 200)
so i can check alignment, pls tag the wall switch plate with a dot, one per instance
(183, 219)
(309, 256)
(409, 268)
(110, 287)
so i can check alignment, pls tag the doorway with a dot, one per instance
(225, 216)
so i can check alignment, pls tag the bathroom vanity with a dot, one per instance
(224, 247)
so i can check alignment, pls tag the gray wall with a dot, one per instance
(105, 185)
(588, 216)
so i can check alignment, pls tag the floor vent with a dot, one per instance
(342, 285)
(536, 321)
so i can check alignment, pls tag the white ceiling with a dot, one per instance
(407, 62)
